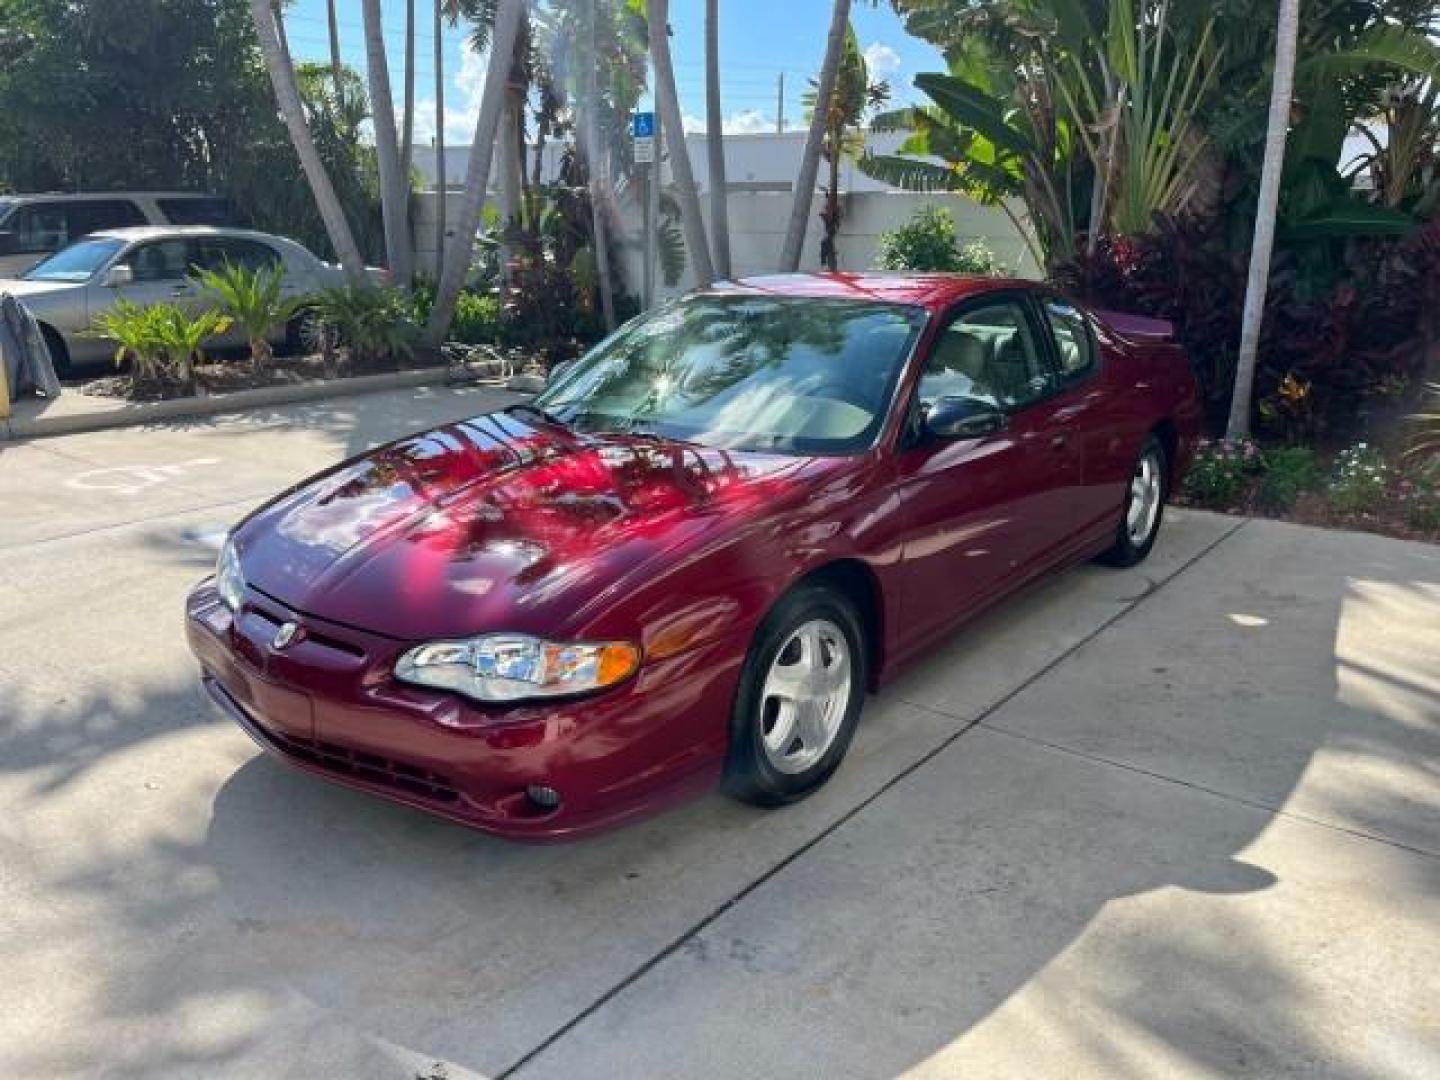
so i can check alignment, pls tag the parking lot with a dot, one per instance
(1182, 820)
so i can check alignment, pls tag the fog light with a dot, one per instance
(546, 798)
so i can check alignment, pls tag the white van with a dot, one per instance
(34, 226)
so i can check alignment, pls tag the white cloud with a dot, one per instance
(741, 122)
(882, 60)
(462, 102)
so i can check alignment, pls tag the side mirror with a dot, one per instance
(964, 418)
(118, 276)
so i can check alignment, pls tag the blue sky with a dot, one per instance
(759, 40)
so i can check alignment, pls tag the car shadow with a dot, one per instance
(337, 934)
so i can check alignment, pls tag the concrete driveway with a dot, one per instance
(1177, 821)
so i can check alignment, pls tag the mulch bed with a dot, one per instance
(1312, 508)
(226, 375)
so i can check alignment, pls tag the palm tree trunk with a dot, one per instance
(715, 141)
(1281, 92)
(673, 128)
(407, 135)
(477, 174)
(810, 161)
(594, 166)
(439, 139)
(287, 99)
(337, 69)
(394, 185)
(509, 186)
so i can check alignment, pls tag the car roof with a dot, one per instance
(160, 232)
(932, 291)
(91, 196)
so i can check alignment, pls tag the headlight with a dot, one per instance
(513, 667)
(229, 580)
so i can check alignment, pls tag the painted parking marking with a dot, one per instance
(130, 479)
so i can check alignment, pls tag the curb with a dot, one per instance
(133, 415)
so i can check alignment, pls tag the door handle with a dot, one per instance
(1059, 442)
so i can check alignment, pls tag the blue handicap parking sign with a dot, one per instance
(642, 125)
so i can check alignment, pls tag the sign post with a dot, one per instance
(645, 132)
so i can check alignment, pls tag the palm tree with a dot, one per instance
(1281, 90)
(394, 185)
(477, 174)
(594, 162)
(853, 96)
(287, 98)
(439, 136)
(715, 141)
(814, 141)
(671, 123)
(407, 135)
(337, 68)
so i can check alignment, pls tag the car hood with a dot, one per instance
(498, 524)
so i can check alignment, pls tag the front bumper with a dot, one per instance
(327, 704)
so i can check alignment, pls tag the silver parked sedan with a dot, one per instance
(150, 265)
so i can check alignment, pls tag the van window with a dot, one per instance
(196, 211)
(101, 214)
(39, 228)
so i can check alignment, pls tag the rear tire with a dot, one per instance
(799, 700)
(1144, 507)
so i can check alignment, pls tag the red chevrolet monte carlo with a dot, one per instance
(688, 559)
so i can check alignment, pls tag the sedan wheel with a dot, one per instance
(1144, 507)
(799, 699)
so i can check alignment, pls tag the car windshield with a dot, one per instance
(789, 374)
(78, 262)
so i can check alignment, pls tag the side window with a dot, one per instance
(39, 228)
(160, 260)
(1073, 344)
(988, 353)
(252, 255)
(88, 217)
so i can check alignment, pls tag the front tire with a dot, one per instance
(1144, 507)
(799, 699)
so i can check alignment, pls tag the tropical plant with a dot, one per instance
(850, 99)
(1265, 214)
(255, 301)
(927, 242)
(715, 141)
(457, 254)
(1359, 481)
(394, 181)
(161, 341)
(814, 140)
(477, 319)
(1222, 471)
(673, 128)
(1289, 472)
(276, 53)
(372, 324)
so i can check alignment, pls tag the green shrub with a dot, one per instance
(161, 341)
(255, 301)
(1288, 473)
(477, 320)
(371, 323)
(1221, 472)
(927, 242)
(1359, 480)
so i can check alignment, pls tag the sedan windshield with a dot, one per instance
(789, 374)
(78, 262)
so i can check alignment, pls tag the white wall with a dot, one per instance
(757, 228)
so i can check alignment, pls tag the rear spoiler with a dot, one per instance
(1137, 328)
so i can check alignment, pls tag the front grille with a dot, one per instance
(372, 768)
